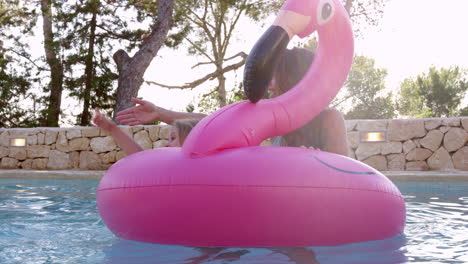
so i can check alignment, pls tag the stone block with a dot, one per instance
(455, 139)
(40, 139)
(9, 163)
(90, 161)
(432, 123)
(396, 162)
(102, 144)
(402, 130)
(440, 160)
(39, 164)
(153, 132)
(120, 155)
(460, 159)
(464, 122)
(444, 129)
(90, 132)
(75, 159)
(432, 140)
(108, 158)
(27, 164)
(451, 121)
(371, 125)
(62, 142)
(137, 128)
(58, 160)
(38, 151)
(31, 140)
(160, 143)
(417, 166)
(408, 146)
(73, 133)
(377, 162)
(142, 139)
(5, 139)
(4, 152)
(79, 144)
(18, 153)
(418, 154)
(165, 132)
(50, 136)
(394, 147)
(366, 150)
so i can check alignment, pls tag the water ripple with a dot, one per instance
(57, 222)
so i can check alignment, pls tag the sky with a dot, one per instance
(412, 36)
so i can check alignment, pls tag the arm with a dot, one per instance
(146, 112)
(122, 139)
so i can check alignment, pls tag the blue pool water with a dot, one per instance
(44, 221)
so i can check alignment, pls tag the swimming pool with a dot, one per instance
(56, 221)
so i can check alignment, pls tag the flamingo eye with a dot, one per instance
(325, 12)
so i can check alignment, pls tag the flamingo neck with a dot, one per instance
(322, 81)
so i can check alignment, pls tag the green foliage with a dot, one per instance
(463, 111)
(90, 30)
(14, 89)
(364, 92)
(437, 93)
(16, 66)
(208, 103)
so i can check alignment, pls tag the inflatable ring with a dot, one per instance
(222, 189)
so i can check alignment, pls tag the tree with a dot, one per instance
(364, 13)
(90, 31)
(212, 26)
(365, 92)
(15, 64)
(14, 89)
(132, 69)
(437, 93)
(51, 48)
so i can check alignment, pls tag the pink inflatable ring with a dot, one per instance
(221, 189)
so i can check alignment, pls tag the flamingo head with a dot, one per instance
(296, 17)
(303, 17)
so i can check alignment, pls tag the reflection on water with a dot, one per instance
(385, 251)
(57, 222)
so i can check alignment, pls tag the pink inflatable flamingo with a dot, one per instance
(221, 189)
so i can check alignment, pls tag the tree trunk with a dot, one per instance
(132, 70)
(221, 87)
(56, 67)
(89, 72)
(348, 6)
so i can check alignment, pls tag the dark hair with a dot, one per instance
(292, 66)
(183, 127)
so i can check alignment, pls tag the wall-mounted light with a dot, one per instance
(18, 142)
(372, 136)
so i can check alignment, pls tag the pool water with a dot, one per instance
(56, 221)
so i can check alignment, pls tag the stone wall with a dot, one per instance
(86, 148)
(412, 144)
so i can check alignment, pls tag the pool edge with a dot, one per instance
(396, 176)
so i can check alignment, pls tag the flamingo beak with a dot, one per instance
(262, 61)
(265, 54)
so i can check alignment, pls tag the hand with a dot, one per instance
(142, 113)
(102, 121)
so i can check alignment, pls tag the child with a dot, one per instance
(179, 132)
